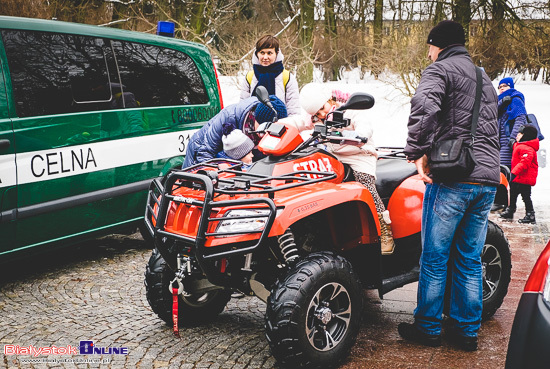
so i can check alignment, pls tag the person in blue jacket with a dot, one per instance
(511, 117)
(246, 115)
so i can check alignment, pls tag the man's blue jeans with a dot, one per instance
(454, 227)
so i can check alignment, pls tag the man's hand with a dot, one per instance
(422, 168)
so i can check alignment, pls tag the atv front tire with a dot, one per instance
(313, 314)
(193, 309)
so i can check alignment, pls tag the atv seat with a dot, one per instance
(389, 174)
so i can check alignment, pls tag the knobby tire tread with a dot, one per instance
(157, 278)
(284, 309)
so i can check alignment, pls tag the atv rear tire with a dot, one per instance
(192, 310)
(313, 315)
(496, 260)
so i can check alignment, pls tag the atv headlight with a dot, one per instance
(257, 221)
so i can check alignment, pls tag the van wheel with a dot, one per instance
(193, 309)
(313, 315)
(496, 261)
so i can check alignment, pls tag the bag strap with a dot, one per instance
(249, 76)
(286, 77)
(477, 103)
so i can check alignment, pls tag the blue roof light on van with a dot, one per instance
(166, 28)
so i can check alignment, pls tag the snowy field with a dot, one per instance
(390, 113)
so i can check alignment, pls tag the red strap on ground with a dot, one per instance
(175, 311)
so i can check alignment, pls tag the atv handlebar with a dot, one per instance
(355, 141)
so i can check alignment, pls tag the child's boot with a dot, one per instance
(529, 218)
(508, 213)
(386, 237)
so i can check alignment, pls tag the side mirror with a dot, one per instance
(358, 101)
(262, 95)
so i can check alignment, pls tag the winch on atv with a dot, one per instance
(295, 232)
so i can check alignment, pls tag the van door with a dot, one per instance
(61, 87)
(8, 189)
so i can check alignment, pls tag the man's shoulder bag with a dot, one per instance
(454, 159)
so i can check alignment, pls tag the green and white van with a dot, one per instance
(88, 117)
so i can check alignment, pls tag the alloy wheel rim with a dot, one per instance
(328, 317)
(491, 264)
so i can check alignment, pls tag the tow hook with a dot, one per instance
(184, 269)
(176, 288)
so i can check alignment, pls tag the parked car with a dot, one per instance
(528, 346)
(88, 117)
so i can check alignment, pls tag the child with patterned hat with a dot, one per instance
(237, 145)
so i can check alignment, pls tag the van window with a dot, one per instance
(61, 73)
(159, 76)
(56, 73)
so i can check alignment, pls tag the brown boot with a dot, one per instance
(386, 238)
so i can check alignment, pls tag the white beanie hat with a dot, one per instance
(236, 144)
(313, 97)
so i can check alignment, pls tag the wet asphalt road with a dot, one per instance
(95, 292)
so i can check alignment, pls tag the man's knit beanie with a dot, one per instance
(263, 113)
(530, 132)
(447, 33)
(236, 144)
(507, 81)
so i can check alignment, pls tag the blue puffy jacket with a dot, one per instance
(511, 116)
(206, 143)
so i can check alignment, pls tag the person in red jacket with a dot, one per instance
(525, 168)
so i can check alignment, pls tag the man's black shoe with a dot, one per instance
(465, 343)
(411, 333)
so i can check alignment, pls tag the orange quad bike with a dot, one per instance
(294, 231)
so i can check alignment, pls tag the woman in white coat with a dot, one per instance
(268, 71)
(318, 102)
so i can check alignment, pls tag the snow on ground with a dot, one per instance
(391, 110)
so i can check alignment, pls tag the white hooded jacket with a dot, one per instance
(359, 158)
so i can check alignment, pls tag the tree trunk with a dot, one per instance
(198, 18)
(377, 25)
(330, 18)
(493, 62)
(439, 13)
(306, 24)
(462, 13)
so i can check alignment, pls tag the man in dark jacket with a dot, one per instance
(455, 213)
(206, 143)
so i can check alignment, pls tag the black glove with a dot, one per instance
(506, 100)
(511, 142)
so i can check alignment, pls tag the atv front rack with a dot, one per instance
(202, 189)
